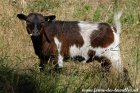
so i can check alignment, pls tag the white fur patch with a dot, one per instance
(74, 51)
(85, 30)
(112, 52)
(60, 61)
(60, 57)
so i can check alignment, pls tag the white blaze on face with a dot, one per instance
(60, 57)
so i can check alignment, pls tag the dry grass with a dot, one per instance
(15, 43)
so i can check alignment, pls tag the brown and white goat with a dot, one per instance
(73, 38)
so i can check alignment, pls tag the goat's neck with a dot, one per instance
(37, 43)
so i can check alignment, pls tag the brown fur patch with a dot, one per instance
(102, 37)
(67, 33)
(91, 53)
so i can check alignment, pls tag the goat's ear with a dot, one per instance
(49, 18)
(22, 16)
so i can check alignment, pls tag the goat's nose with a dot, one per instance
(35, 32)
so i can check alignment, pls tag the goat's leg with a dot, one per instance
(105, 66)
(60, 61)
(59, 65)
(105, 63)
(60, 57)
(43, 62)
(41, 65)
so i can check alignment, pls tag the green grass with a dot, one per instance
(42, 5)
(19, 72)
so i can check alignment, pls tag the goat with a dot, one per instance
(72, 38)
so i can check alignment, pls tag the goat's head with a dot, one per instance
(35, 22)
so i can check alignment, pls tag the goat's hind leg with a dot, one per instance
(105, 66)
(105, 63)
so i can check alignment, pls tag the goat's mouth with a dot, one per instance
(34, 34)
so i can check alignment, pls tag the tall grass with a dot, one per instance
(19, 71)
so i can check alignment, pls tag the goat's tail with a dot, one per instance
(117, 22)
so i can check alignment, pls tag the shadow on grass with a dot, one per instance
(68, 81)
(14, 82)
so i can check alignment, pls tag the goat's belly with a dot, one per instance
(74, 51)
(84, 51)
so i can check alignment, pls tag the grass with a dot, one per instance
(19, 71)
(31, 80)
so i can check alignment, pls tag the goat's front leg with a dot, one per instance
(60, 61)
(59, 65)
(60, 57)
(43, 62)
(41, 65)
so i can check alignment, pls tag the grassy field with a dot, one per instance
(19, 72)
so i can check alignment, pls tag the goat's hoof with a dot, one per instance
(58, 69)
(41, 69)
(83, 62)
